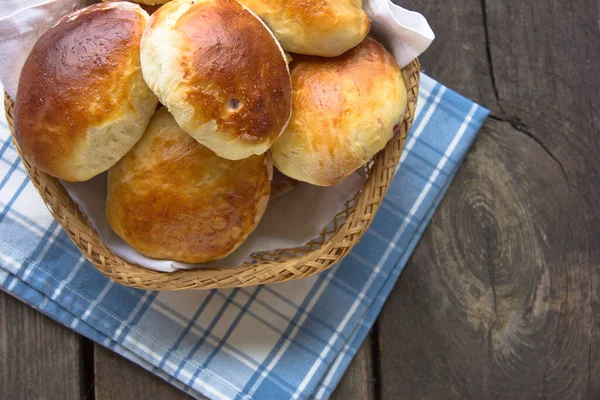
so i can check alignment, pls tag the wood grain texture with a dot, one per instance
(547, 77)
(497, 300)
(39, 358)
(118, 378)
(500, 299)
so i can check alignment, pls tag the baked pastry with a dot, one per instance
(82, 102)
(345, 110)
(172, 198)
(281, 184)
(220, 72)
(325, 28)
(150, 2)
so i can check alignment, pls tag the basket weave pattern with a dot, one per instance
(320, 254)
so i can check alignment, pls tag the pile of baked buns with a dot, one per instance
(190, 108)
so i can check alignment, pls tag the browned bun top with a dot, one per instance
(151, 3)
(220, 72)
(324, 28)
(172, 198)
(227, 47)
(345, 110)
(81, 102)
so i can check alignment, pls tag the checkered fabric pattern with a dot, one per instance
(290, 340)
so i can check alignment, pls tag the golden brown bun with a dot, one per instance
(345, 109)
(281, 184)
(150, 2)
(220, 72)
(325, 28)
(172, 198)
(82, 102)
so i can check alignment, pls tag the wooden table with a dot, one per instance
(501, 297)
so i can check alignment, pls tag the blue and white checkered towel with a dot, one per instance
(290, 340)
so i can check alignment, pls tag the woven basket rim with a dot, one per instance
(333, 250)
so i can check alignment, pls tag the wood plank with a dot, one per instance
(359, 380)
(500, 297)
(547, 76)
(546, 71)
(118, 378)
(39, 358)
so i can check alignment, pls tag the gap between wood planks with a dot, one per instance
(87, 373)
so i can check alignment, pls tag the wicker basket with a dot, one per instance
(336, 240)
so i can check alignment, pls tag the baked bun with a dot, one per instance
(150, 2)
(345, 109)
(172, 198)
(220, 72)
(281, 184)
(82, 102)
(325, 28)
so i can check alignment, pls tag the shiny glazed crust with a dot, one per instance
(345, 110)
(220, 72)
(82, 102)
(172, 198)
(325, 28)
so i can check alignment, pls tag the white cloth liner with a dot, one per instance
(291, 220)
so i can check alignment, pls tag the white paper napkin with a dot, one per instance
(405, 33)
(291, 220)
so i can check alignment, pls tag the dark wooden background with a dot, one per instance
(501, 297)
